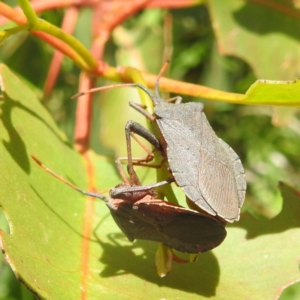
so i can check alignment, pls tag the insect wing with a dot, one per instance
(182, 229)
(132, 223)
(205, 167)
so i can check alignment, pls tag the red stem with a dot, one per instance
(87, 227)
(83, 115)
(68, 25)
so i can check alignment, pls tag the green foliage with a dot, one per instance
(261, 34)
(258, 258)
(50, 221)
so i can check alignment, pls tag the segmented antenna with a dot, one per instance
(107, 87)
(155, 98)
(162, 70)
(95, 195)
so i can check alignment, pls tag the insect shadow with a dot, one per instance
(201, 278)
(203, 165)
(119, 259)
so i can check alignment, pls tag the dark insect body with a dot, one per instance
(179, 228)
(140, 216)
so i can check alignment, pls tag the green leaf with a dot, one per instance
(263, 33)
(65, 246)
(273, 93)
(39, 216)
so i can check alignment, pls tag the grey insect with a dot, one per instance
(203, 165)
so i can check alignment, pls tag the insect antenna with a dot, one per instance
(162, 70)
(95, 195)
(107, 87)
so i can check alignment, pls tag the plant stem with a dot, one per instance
(32, 18)
(36, 24)
(137, 77)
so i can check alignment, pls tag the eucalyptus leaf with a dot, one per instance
(62, 245)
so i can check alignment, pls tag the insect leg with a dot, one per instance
(119, 192)
(141, 110)
(134, 127)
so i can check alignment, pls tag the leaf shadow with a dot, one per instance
(201, 277)
(15, 145)
(288, 218)
(267, 19)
